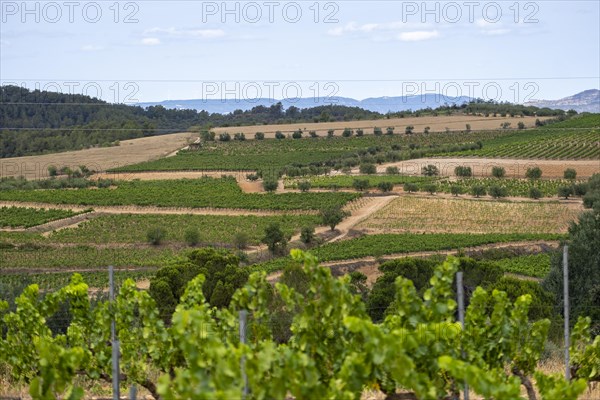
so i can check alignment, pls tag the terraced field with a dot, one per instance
(433, 215)
(22, 217)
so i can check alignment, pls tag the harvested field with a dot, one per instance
(436, 124)
(98, 159)
(483, 166)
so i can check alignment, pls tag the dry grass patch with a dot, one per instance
(444, 215)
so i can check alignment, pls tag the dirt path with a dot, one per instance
(370, 265)
(159, 210)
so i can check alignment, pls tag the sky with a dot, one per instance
(138, 51)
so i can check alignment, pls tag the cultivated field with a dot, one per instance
(98, 159)
(482, 167)
(435, 123)
(434, 215)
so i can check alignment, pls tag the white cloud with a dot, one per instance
(494, 32)
(191, 33)
(150, 41)
(91, 47)
(377, 31)
(415, 36)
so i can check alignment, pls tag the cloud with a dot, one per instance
(189, 33)
(150, 41)
(415, 36)
(491, 28)
(494, 32)
(91, 47)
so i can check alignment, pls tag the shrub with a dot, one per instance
(330, 133)
(270, 185)
(385, 186)
(498, 191)
(426, 129)
(580, 189)
(297, 134)
(468, 127)
(224, 137)
(410, 187)
(392, 171)
(430, 188)
(478, 190)
(377, 131)
(307, 234)
(279, 135)
(463, 171)
(361, 184)
(239, 136)
(456, 190)
(52, 170)
(259, 136)
(240, 240)
(521, 125)
(570, 173)
(192, 236)
(304, 186)
(535, 193)
(409, 130)
(389, 130)
(252, 177)
(565, 191)
(498, 172)
(155, 235)
(347, 132)
(368, 168)
(313, 134)
(533, 173)
(360, 132)
(430, 170)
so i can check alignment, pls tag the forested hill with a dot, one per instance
(36, 122)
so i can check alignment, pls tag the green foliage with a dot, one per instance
(192, 236)
(535, 193)
(392, 171)
(463, 171)
(270, 185)
(279, 135)
(565, 191)
(361, 184)
(304, 186)
(307, 234)
(15, 217)
(259, 136)
(478, 190)
(239, 136)
(498, 172)
(410, 187)
(542, 301)
(332, 216)
(385, 186)
(456, 190)
(347, 132)
(430, 170)
(224, 137)
(497, 191)
(275, 239)
(570, 173)
(533, 173)
(156, 235)
(241, 240)
(368, 168)
(430, 188)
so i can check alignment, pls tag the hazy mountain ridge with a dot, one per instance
(586, 101)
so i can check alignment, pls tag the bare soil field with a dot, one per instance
(98, 159)
(483, 166)
(436, 124)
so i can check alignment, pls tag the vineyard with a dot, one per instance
(534, 265)
(204, 192)
(514, 187)
(22, 217)
(443, 215)
(347, 181)
(334, 349)
(215, 230)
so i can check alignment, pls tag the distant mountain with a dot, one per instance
(586, 101)
(377, 104)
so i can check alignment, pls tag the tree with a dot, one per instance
(498, 172)
(224, 137)
(347, 132)
(270, 185)
(389, 130)
(240, 136)
(535, 193)
(360, 132)
(430, 188)
(426, 129)
(297, 134)
(521, 125)
(533, 173)
(478, 190)
(155, 235)
(377, 131)
(279, 135)
(565, 191)
(410, 187)
(367, 168)
(52, 170)
(259, 136)
(456, 190)
(468, 127)
(307, 234)
(332, 216)
(240, 240)
(385, 186)
(361, 184)
(274, 238)
(497, 191)
(304, 186)
(392, 171)
(584, 268)
(409, 130)
(313, 134)
(330, 133)
(463, 171)
(192, 236)
(430, 170)
(570, 173)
